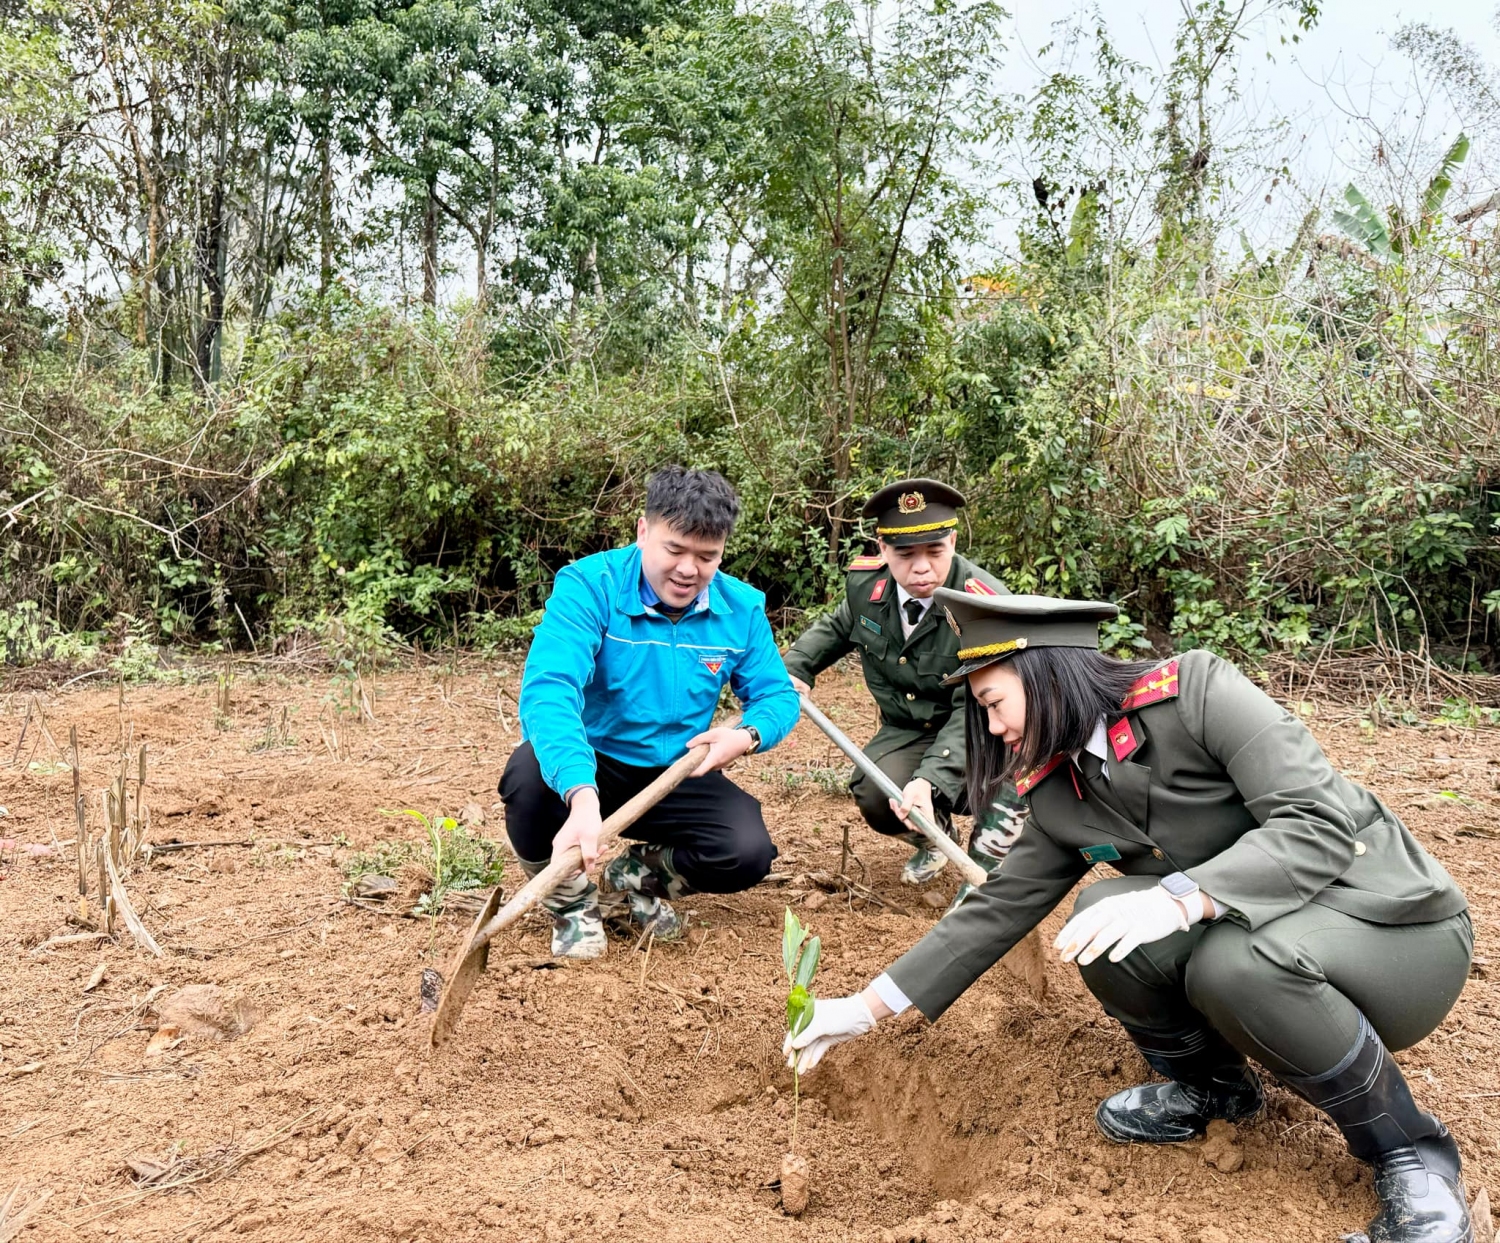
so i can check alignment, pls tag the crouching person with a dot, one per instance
(623, 676)
(1267, 908)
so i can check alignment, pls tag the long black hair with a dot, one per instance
(1067, 690)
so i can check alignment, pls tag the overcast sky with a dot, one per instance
(1341, 88)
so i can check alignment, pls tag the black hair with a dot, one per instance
(1067, 690)
(695, 502)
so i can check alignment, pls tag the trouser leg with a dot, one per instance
(1320, 997)
(1207, 1078)
(900, 765)
(533, 815)
(1291, 994)
(711, 834)
(993, 833)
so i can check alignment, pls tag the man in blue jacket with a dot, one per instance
(623, 676)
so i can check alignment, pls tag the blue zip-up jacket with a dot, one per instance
(605, 674)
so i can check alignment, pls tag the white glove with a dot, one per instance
(834, 1020)
(1124, 920)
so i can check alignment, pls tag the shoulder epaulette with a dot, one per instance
(865, 563)
(1157, 685)
(976, 587)
(1027, 782)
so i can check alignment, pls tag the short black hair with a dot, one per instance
(1067, 690)
(696, 502)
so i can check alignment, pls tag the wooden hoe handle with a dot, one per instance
(470, 958)
(570, 863)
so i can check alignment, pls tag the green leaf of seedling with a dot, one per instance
(792, 936)
(806, 1016)
(799, 1010)
(808, 963)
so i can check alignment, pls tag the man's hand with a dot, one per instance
(918, 796)
(834, 1020)
(801, 687)
(725, 745)
(582, 826)
(1124, 920)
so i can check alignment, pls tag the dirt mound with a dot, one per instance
(641, 1096)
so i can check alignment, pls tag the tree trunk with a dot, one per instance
(210, 258)
(325, 215)
(430, 247)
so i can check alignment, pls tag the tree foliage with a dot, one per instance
(369, 314)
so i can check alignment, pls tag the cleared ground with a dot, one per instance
(638, 1097)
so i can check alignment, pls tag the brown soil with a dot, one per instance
(642, 1094)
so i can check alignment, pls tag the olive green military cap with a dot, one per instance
(914, 511)
(992, 628)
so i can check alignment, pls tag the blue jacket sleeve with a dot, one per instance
(763, 686)
(558, 667)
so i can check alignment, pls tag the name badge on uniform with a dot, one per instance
(868, 624)
(1099, 854)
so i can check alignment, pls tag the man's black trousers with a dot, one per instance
(717, 833)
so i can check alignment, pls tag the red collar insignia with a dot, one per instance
(1122, 739)
(878, 590)
(1027, 782)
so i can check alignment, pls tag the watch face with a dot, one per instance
(1178, 885)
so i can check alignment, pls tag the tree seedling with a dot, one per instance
(799, 955)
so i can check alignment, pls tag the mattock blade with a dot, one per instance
(464, 971)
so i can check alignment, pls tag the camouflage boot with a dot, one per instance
(645, 875)
(992, 836)
(577, 928)
(925, 863)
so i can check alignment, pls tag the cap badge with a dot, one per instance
(911, 503)
(952, 622)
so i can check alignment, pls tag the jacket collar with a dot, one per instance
(636, 595)
(958, 570)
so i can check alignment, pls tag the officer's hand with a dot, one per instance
(725, 745)
(1124, 920)
(801, 687)
(582, 827)
(917, 796)
(834, 1020)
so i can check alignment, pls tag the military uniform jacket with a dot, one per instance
(1208, 776)
(904, 676)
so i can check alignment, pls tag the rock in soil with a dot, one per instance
(1484, 1223)
(794, 1184)
(1220, 1150)
(205, 1010)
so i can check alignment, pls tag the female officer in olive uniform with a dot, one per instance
(1267, 907)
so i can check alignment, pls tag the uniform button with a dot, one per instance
(1359, 848)
(1156, 854)
(909, 695)
(946, 753)
(902, 661)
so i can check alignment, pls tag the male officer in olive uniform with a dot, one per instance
(906, 650)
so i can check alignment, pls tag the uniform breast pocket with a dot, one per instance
(872, 646)
(933, 667)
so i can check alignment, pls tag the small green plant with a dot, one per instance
(382, 859)
(799, 955)
(454, 859)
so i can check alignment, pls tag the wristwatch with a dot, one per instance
(1182, 887)
(754, 738)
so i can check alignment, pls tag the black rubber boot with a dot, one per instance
(1208, 1079)
(1418, 1174)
